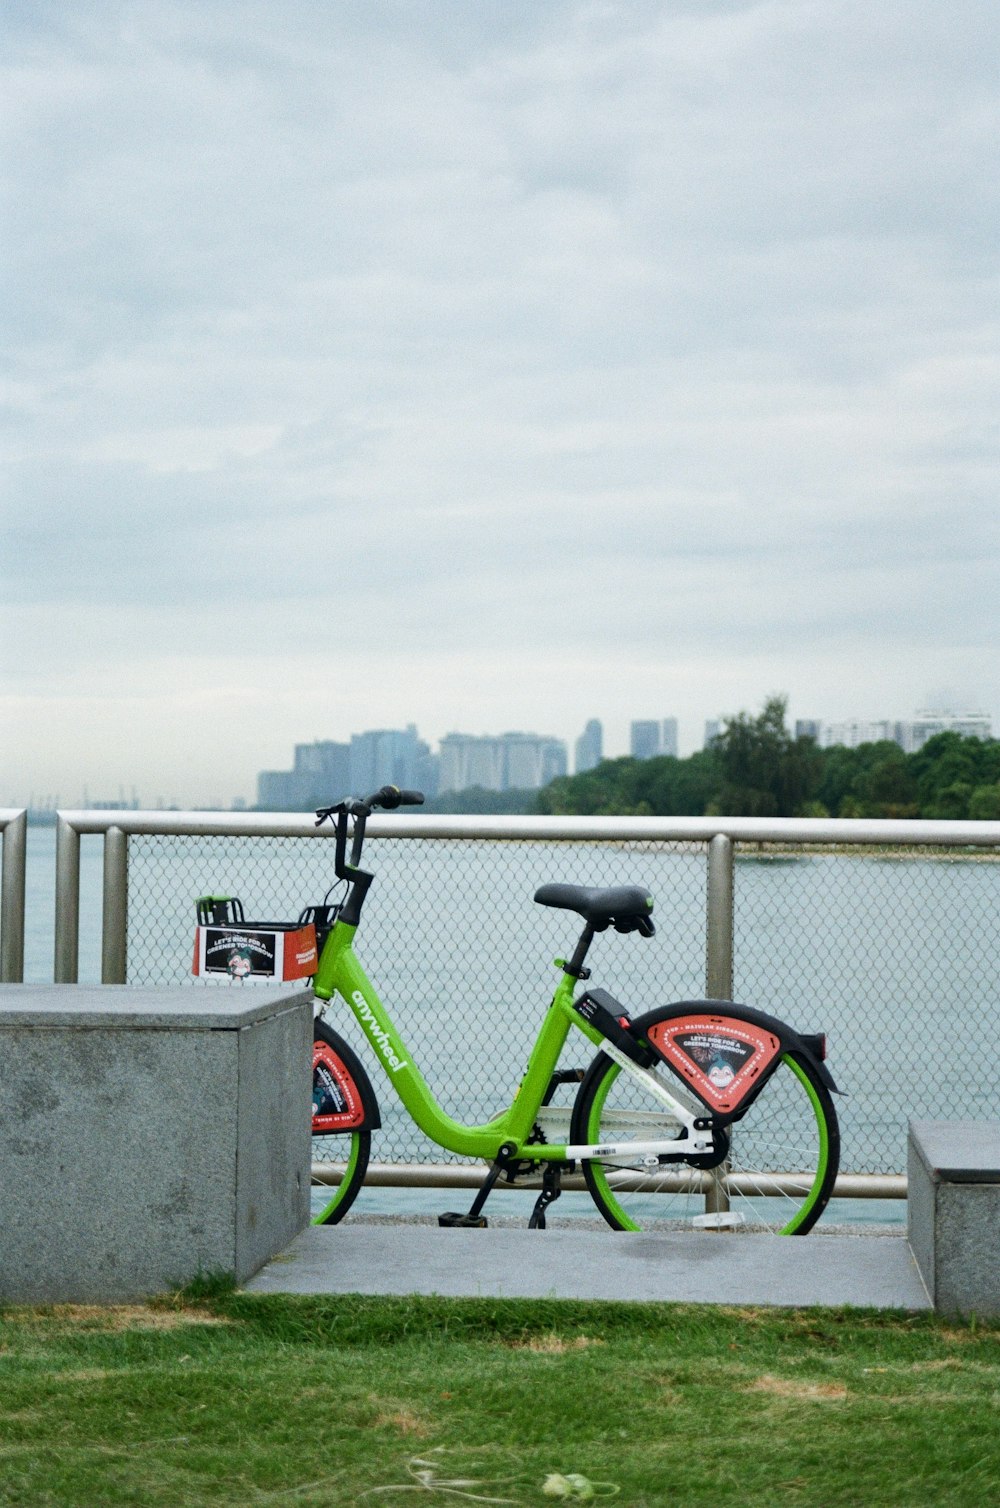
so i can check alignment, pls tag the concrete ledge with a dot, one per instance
(690, 1268)
(953, 1212)
(147, 1136)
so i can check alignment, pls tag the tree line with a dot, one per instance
(756, 768)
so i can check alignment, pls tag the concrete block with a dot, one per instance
(953, 1212)
(148, 1135)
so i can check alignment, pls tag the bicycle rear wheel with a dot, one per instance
(341, 1089)
(774, 1170)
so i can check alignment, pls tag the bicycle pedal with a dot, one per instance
(468, 1222)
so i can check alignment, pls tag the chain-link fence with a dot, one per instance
(894, 953)
(891, 950)
(451, 938)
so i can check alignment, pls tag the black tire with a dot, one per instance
(780, 1164)
(345, 1152)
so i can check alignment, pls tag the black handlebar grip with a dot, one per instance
(390, 796)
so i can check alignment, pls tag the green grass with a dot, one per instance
(223, 1398)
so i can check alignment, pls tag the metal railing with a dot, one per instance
(894, 959)
(119, 826)
(14, 828)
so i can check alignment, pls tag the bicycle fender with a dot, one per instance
(343, 1097)
(729, 1085)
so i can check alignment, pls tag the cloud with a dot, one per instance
(552, 337)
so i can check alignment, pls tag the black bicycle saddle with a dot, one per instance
(625, 907)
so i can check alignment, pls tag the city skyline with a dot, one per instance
(326, 767)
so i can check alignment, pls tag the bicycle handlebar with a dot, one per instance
(388, 797)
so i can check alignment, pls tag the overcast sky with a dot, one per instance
(488, 365)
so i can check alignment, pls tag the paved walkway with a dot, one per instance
(694, 1267)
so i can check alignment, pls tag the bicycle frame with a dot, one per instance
(340, 972)
(663, 1088)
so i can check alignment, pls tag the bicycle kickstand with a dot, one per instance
(551, 1189)
(475, 1219)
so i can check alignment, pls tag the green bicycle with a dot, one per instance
(697, 1115)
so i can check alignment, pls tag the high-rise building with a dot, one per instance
(644, 740)
(278, 791)
(910, 736)
(854, 732)
(713, 730)
(325, 771)
(531, 760)
(647, 738)
(926, 723)
(589, 747)
(387, 756)
(318, 777)
(426, 771)
(555, 759)
(504, 762)
(470, 760)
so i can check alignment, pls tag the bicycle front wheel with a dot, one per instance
(340, 1157)
(774, 1167)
